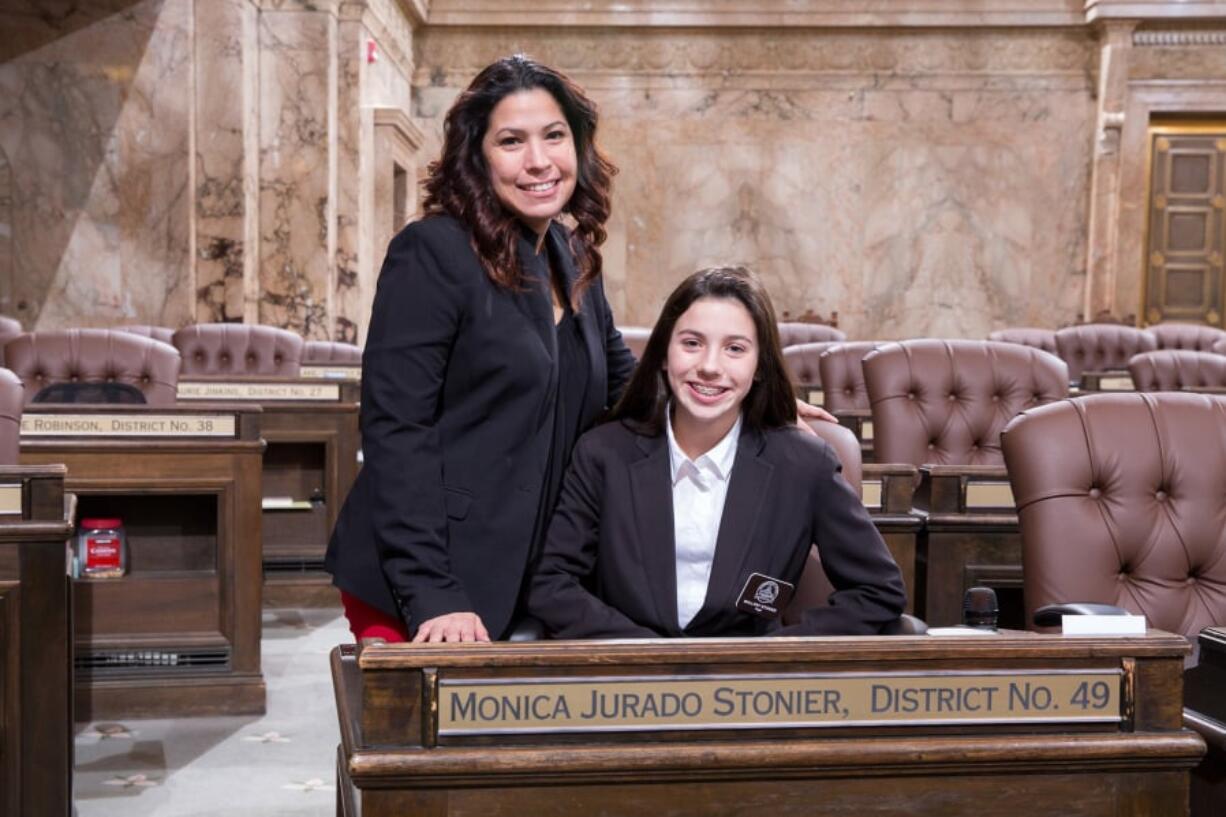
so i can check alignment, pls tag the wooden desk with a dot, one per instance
(779, 727)
(180, 633)
(35, 642)
(970, 538)
(888, 492)
(311, 427)
(1205, 712)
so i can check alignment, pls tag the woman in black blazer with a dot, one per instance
(711, 385)
(491, 348)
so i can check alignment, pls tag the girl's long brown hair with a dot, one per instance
(459, 181)
(770, 402)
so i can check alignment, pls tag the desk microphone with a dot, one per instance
(979, 608)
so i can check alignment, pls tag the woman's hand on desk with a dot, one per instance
(452, 627)
(804, 412)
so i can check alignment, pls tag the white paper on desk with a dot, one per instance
(1103, 625)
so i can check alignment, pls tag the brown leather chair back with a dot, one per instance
(814, 587)
(1194, 337)
(945, 402)
(9, 329)
(1219, 348)
(1120, 502)
(1100, 347)
(1044, 339)
(43, 359)
(636, 338)
(12, 396)
(323, 352)
(793, 334)
(843, 375)
(1175, 369)
(162, 334)
(239, 349)
(803, 361)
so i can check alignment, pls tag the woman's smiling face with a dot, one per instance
(712, 360)
(530, 152)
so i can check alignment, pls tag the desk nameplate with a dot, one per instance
(219, 390)
(817, 397)
(353, 373)
(128, 425)
(10, 499)
(871, 492)
(988, 495)
(1116, 383)
(866, 431)
(687, 703)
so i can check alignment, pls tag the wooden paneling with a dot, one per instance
(1187, 220)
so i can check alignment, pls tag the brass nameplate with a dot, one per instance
(871, 491)
(479, 707)
(218, 390)
(816, 397)
(1115, 384)
(353, 373)
(10, 499)
(127, 425)
(866, 431)
(988, 495)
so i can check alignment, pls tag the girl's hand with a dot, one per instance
(452, 627)
(804, 411)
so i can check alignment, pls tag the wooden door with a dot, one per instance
(1187, 219)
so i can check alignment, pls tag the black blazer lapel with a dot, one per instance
(652, 492)
(589, 325)
(536, 300)
(748, 488)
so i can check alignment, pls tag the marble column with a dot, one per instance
(1102, 261)
(225, 240)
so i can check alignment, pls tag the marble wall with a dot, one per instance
(928, 167)
(94, 131)
(920, 182)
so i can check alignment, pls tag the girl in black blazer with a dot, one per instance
(711, 382)
(491, 348)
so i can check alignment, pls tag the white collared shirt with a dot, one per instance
(699, 490)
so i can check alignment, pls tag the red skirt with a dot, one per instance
(367, 622)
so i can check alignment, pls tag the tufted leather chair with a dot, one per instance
(1219, 348)
(1101, 347)
(319, 352)
(162, 334)
(42, 359)
(239, 349)
(1044, 339)
(9, 329)
(802, 360)
(793, 334)
(1120, 501)
(11, 399)
(945, 401)
(843, 375)
(1194, 337)
(636, 339)
(1175, 369)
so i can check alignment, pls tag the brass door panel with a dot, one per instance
(1187, 222)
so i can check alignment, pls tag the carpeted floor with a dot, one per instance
(278, 765)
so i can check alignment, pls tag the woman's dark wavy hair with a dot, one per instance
(459, 181)
(770, 403)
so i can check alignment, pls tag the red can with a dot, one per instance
(102, 547)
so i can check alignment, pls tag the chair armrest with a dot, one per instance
(1050, 615)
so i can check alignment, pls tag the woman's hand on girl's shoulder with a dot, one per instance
(451, 627)
(804, 412)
